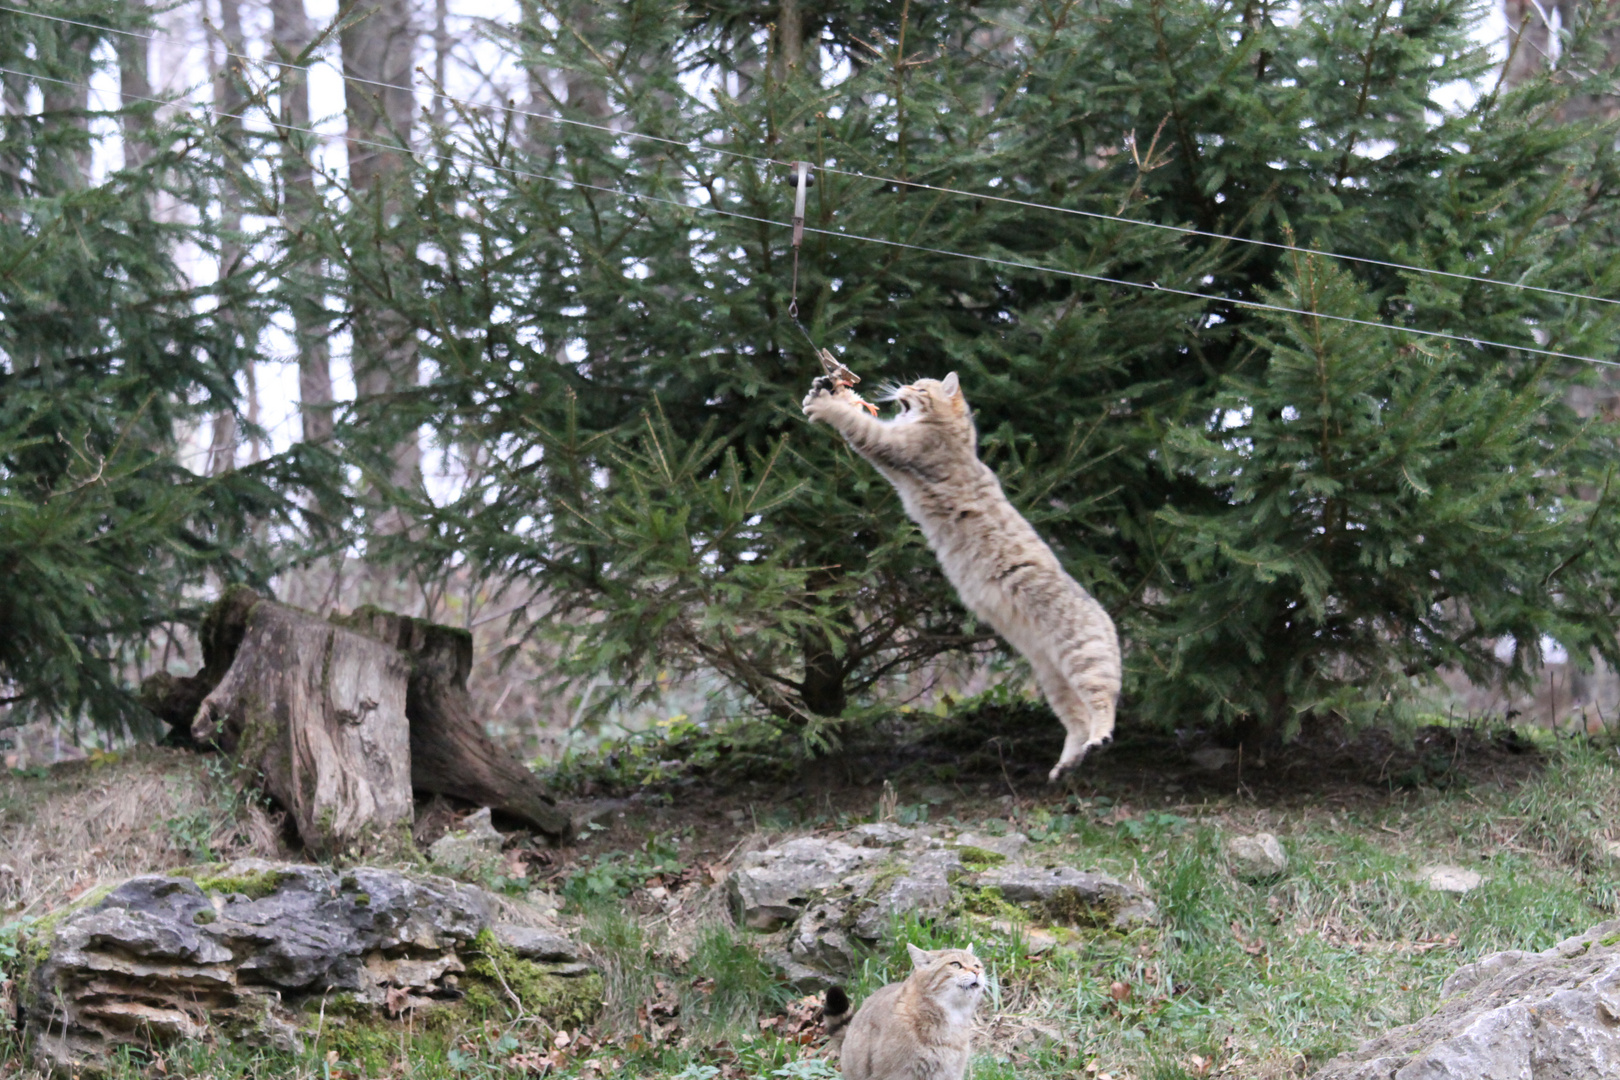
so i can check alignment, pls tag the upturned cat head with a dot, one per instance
(952, 977)
(934, 402)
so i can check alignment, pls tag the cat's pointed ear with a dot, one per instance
(970, 948)
(919, 957)
(952, 385)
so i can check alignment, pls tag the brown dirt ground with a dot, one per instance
(993, 764)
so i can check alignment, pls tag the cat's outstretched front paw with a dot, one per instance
(823, 393)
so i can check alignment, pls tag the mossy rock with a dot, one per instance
(990, 902)
(253, 884)
(977, 858)
(556, 992)
(34, 943)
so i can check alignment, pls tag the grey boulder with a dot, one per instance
(819, 940)
(1552, 1015)
(920, 886)
(1008, 845)
(822, 898)
(772, 888)
(1451, 879)
(532, 943)
(473, 848)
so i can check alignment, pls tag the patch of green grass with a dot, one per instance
(1283, 973)
(729, 986)
(1345, 944)
(621, 950)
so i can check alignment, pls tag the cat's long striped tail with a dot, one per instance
(836, 1012)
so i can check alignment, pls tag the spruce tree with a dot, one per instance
(108, 353)
(606, 319)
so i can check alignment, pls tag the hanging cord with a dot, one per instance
(833, 369)
(830, 364)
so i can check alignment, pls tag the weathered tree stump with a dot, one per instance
(319, 712)
(450, 754)
(343, 719)
(176, 699)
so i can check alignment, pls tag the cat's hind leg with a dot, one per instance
(1071, 708)
(1091, 665)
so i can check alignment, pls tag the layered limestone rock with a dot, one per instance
(245, 954)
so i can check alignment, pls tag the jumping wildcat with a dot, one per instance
(1003, 571)
(919, 1029)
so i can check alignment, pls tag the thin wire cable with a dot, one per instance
(1096, 215)
(1255, 305)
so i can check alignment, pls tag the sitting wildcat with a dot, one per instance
(1003, 571)
(920, 1029)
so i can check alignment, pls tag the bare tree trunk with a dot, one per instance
(229, 101)
(1531, 51)
(789, 51)
(1606, 35)
(1532, 47)
(378, 65)
(68, 105)
(134, 88)
(1529, 40)
(379, 54)
(222, 444)
(441, 56)
(255, 444)
(822, 691)
(13, 166)
(587, 96)
(291, 34)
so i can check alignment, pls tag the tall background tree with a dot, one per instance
(109, 354)
(379, 69)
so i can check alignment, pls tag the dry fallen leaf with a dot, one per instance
(1252, 946)
(396, 1000)
(531, 1061)
(799, 1021)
